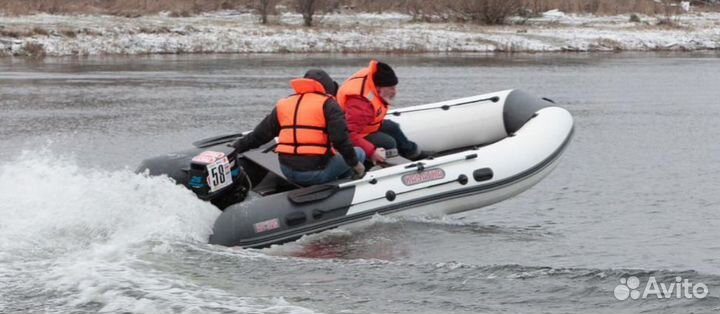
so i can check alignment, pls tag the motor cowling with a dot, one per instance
(217, 177)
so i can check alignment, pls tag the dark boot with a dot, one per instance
(419, 154)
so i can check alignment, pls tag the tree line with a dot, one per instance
(476, 11)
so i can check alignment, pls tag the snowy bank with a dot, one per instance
(233, 32)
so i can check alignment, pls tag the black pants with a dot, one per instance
(391, 136)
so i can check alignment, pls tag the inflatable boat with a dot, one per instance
(488, 148)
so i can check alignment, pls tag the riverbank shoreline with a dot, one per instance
(238, 32)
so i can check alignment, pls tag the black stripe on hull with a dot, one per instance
(275, 219)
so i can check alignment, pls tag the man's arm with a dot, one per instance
(359, 114)
(268, 129)
(338, 132)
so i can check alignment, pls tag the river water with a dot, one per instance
(635, 195)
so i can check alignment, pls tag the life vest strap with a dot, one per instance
(311, 127)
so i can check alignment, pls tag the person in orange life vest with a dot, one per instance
(365, 97)
(310, 127)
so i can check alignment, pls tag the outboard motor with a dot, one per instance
(213, 173)
(218, 178)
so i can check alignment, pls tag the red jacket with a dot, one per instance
(359, 114)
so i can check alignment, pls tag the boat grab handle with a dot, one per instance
(421, 166)
(446, 107)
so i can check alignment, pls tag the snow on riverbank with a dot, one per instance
(233, 32)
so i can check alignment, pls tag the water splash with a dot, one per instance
(75, 239)
(51, 205)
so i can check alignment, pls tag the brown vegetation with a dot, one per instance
(21, 33)
(495, 11)
(68, 33)
(485, 11)
(35, 50)
(10, 33)
(40, 31)
(129, 8)
(479, 11)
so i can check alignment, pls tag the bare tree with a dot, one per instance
(265, 8)
(535, 6)
(486, 11)
(309, 8)
(421, 10)
(670, 9)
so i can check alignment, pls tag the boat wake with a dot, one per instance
(392, 238)
(78, 239)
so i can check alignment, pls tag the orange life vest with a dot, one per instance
(303, 129)
(361, 84)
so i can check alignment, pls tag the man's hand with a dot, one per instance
(234, 144)
(359, 169)
(378, 155)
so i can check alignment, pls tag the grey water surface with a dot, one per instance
(636, 194)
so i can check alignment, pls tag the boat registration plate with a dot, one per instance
(219, 175)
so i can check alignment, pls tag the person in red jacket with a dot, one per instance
(365, 97)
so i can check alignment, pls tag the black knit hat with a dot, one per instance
(385, 76)
(321, 76)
